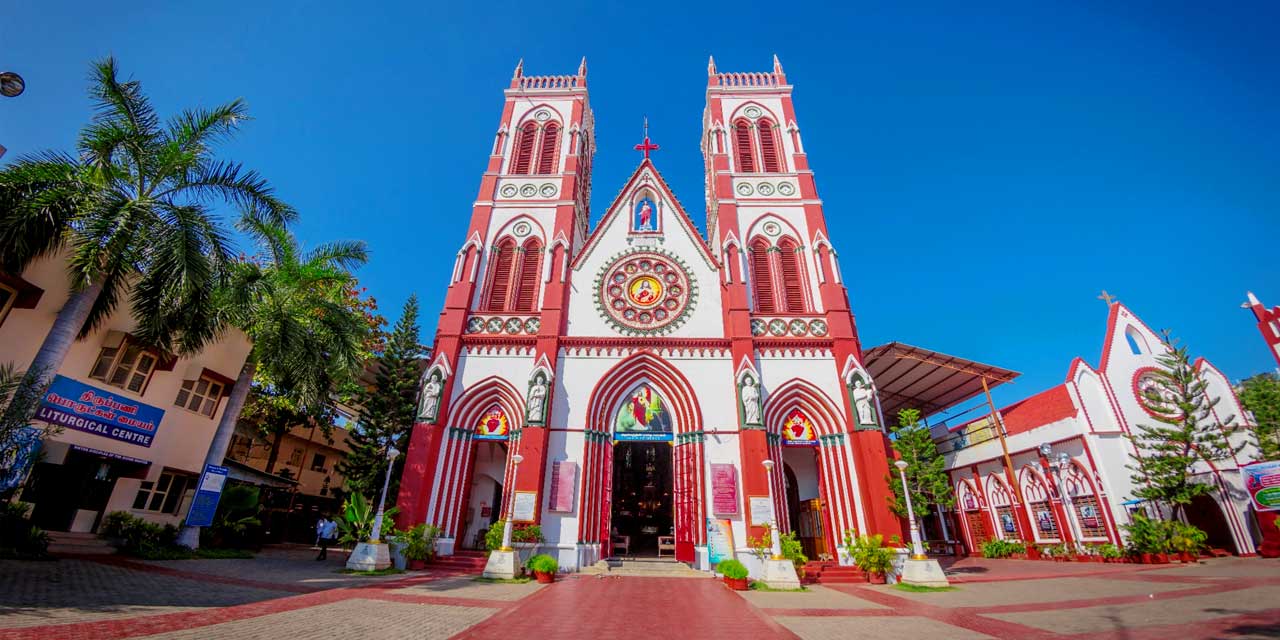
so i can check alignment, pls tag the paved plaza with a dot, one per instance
(284, 593)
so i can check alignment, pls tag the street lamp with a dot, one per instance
(511, 509)
(1057, 463)
(392, 454)
(917, 549)
(775, 535)
(11, 84)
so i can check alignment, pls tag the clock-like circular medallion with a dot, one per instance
(645, 291)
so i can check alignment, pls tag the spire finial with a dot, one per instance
(711, 65)
(777, 66)
(519, 70)
(582, 68)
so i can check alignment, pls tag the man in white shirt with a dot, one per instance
(326, 531)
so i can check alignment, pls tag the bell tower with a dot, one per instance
(781, 281)
(510, 274)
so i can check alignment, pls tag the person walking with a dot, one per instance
(326, 531)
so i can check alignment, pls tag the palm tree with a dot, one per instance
(133, 211)
(307, 340)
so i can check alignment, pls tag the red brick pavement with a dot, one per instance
(592, 607)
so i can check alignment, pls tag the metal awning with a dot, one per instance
(240, 471)
(910, 377)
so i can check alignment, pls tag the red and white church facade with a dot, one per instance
(641, 371)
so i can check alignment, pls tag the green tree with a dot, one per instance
(1186, 433)
(270, 414)
(926, 468)
(387, 409)
(307, 341)
(133, 212)
(1260, 395)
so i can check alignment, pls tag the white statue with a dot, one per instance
(537, 400)
(750, 402)
(862, 398)
(430, 398)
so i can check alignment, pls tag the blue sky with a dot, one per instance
(986, 170)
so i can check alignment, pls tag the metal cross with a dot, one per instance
(1107, 297)
(646, 146)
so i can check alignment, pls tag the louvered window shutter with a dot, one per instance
(769, 148)
(524, 149)
(762, 279)
(500, 277)
(792, 283)
(527, 283)
(746, 160)
(548, 155)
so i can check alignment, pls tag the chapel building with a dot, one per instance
(622, 386)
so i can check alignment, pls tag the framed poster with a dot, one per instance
(761, 510)
(524, 506)
(719, 540)
(564, 475)
(724, 490)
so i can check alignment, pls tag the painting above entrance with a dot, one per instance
(798, 430)
(643, 416)
(493, 425)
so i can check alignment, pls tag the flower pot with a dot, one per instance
(1162, 558)
(1033, 553)
(417, 565)
(1019, 556)
(876, 578)
(737, 584)
(1147, 558)
(544, 577)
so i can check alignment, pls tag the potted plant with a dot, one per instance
(544, 568)
(1109, 552)
(877, 562)
(1187, 541)
(420, 545)
(734, 574)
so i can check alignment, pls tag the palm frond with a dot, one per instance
(342, 254)
(40, 197)
(122, 101)
(229, 182)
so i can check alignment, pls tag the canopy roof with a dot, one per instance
(910, 377)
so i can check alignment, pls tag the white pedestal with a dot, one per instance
(501, 565)
(369, 557)
(781, 574)
(925, 573)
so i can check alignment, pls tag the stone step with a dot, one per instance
(69, 543)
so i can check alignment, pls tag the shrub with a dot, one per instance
(526, 533)
(420, 542)
(542, 563)
(1109, 551)
(1186, 538)
(1002, 548)
(1151, 536)
(732, 569)
(18, 537)
(869, 552)
(356, 523)
(135, 536)
(493, 537)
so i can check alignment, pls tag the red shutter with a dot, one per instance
(768, 148)
(527, 283)
(524, 149)
(547, 155)
(500, 276)
(762, 279)
(746, 160)
(792, 283)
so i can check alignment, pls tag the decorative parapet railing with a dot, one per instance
(746, 79)
(551, 82)
(504, 325)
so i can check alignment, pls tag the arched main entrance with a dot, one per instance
(1205, 513)
(643, 508)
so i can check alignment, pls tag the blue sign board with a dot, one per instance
(75, 405)
(205, 502)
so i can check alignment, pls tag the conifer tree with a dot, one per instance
(1260, 395)
(926, 468)
(387, 410)
(1186, 433)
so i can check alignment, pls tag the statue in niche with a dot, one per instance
(536, 412)
(750, 401)
(864, 402)
(430, 400)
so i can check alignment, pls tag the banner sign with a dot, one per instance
(724, 489)
(208, 492)
(525, 506)
(719, 541)
(75, 405)
(1262, 481)
(563, 476)
(15, 461)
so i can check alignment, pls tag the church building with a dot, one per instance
(638, 387)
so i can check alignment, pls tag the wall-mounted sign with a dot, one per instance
(524, 506)
(493, 425)
(205, 503)
(564, 475)
(75, 405)
(719, 540)
(724, 489)
(761, 509)
(1262, 481)
(797, 430)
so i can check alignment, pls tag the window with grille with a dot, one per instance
(317, 462)
(1089, 516)
(770, 159)
(200, 396)
(762, 278)
(1046, 522)
(743, 154)
(164, 495)
(127, 366)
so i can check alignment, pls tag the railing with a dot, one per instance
(750, 79)
(549, 82)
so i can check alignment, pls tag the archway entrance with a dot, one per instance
(1205, 513)
(643, 517)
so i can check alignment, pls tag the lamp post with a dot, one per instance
(775, 535)
(392, 454)
(511, 509)
(917, 549)
(1056, 464)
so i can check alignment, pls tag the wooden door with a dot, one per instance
(812, 534)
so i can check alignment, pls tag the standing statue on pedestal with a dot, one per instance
(429, 404)
(750, 401)
(536, 413)
(864, 403)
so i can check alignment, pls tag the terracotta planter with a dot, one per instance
(544, 577)
(1161, 558)
(876, 578)
(1146, 558)
(1019, 556)
(1187, 557)
(417, 565)
(737, 584)
(1033, 553)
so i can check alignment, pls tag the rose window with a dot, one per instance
(644, 292)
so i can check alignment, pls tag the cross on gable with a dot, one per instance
(1106, 297)
(646, 146)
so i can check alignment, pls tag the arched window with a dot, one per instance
(500, 268)
(522, 158)
(770, 159)
(526, 292)
(762, 277)
(1137, 344)
(792, 276)
(548, 155)
(744, 157)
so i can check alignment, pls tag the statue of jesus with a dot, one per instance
(646, 217)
